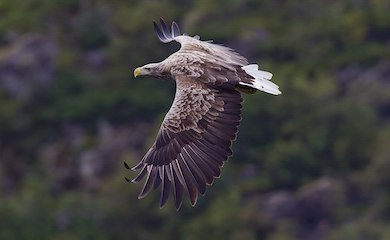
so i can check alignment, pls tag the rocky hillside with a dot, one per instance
(309, 164)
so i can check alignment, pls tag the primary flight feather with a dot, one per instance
(196, 134)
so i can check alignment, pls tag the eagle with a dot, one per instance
(196, 135)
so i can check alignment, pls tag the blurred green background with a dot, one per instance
(313, 163)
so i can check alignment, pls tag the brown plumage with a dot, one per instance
(196, 135)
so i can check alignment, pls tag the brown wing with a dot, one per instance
(223, 75)
(212, 70)
(193, 142)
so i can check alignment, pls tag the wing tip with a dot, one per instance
(141, 196)
(163, 33)
(194, 200)
(175, 29)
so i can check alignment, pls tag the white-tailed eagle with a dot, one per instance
(196, 135)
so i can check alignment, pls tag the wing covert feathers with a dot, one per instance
(192, 144)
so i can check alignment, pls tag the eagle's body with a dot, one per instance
(196, 135)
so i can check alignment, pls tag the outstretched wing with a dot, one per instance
(193, 142)
(194, 44)
(163, 33)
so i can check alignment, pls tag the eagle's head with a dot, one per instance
(151, 69)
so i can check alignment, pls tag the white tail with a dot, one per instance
(262, 80)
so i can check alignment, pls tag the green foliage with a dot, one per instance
(90, 32)
(362, 230)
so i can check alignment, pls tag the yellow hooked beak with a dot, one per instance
(138, 71)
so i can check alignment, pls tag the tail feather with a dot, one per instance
(261, 80)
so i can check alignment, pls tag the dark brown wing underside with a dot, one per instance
(189, 160)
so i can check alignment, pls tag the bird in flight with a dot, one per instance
(196, 135)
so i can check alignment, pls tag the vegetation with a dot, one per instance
(309, 164)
